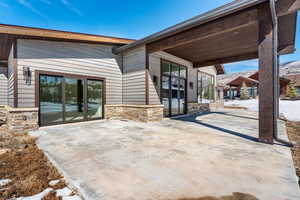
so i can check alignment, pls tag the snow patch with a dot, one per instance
(54, 182)
(63, 192)
(289, 109)
(75, 197)
(38, 196)
(4, 182)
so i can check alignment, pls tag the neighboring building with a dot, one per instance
(291, 71)
(249, 80)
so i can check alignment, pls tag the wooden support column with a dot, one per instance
(267, 76)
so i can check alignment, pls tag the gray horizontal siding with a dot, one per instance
(71, 58)
(11, 81)
(134, 86)
(3, 89)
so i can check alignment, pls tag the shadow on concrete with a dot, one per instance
(193, 118)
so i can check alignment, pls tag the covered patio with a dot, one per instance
(241, 30)
(217, 156)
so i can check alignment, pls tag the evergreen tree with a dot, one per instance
(292, 92)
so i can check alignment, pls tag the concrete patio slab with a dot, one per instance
(193, 156)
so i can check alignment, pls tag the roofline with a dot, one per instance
(68, 35)
(244, 77)
(195, 21)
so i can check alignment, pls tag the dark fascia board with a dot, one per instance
(23, 31)
(195, 21)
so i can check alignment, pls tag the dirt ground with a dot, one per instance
(293, 129)
(235, 196)
(26, 166)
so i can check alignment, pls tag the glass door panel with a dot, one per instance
(173, 89)
(182, 96)
(165, 93)
(175, 96)
(51, 104)
(94, 99)
(74, 105)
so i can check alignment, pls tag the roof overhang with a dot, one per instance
(227, 34)
(9, 33)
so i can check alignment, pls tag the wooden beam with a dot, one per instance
(225, 60)
(284, 7)
(267, 120)
(217, 27)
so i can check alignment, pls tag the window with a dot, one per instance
(298, 90)
(173, 88)
(206, 87)
(65, 98)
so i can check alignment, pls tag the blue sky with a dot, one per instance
(121, 18)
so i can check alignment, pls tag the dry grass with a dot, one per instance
(293, 130)
(26, 166)
(51, 196)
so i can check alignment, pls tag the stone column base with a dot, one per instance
(141, 113)
(3, 114)
(22, 120)
(194, 108)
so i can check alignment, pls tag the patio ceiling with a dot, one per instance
(231, 38)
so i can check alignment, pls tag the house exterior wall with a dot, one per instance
(155, 70)
(134, 85)
(71, 58)
(10, 78)
(3, 86)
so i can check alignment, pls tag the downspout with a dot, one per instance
(276, 69)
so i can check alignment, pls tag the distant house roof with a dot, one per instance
(232, 79)
(9, 33)
(226, 78)
(294, 78)
(239, 81)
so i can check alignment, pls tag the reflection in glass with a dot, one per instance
(175, 96)
(182, 72)
(165, 68)
(173, 91)
(206, 89)
(74, 106)
(51, 106)
(182, 97)
(94, 98)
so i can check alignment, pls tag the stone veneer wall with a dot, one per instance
(141, 113)
(194, 108)
(22, 120)
(3, 114)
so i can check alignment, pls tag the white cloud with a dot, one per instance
(28, 5)
(4, 5)
(69, 5)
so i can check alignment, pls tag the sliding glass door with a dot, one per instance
(94, 99)
(65, 99)
(51, 101)
(173, 90)
(74, 104)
